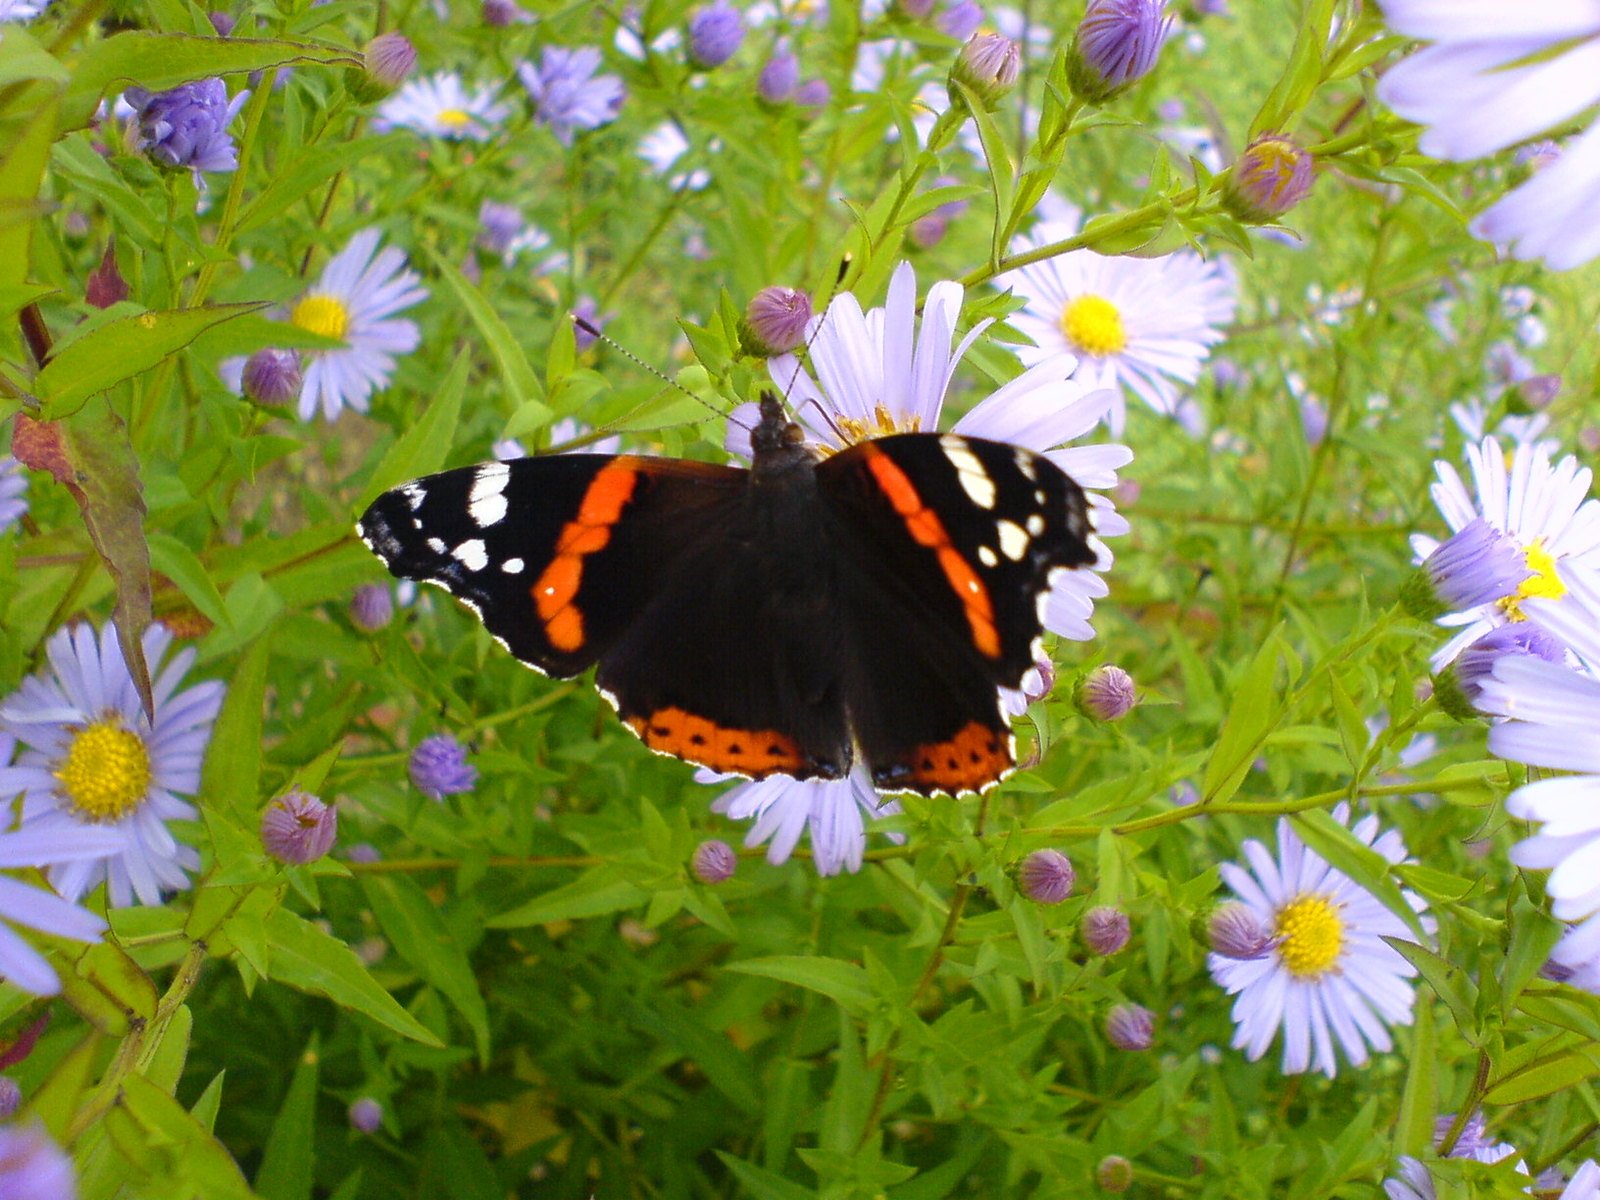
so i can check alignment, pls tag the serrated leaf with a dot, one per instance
(419, 935)
(306, 958)
(840, 981)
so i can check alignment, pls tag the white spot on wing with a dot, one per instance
(1013, 540)
(512, 566)
(1036, 524)
(415, 494)
(1025, 465)
(436, 545)
(487, 510)
(987, 556)
(486, 502)
(472, 554)
(970, 471)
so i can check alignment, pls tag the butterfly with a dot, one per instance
(799, 617)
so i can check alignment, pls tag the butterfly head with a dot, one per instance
(778, 442)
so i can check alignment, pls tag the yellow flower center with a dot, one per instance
(107, 771)
(1311, 935)
(1093, 325)
(1543, 583)
(326, 315)
(882, 424)
(453, 118)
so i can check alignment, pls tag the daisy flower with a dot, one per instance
(1327, 978)
(32, 1167)
(1472, 418)
(1144, 324)
(21, 10)
(1553, 721)
(1496, 75)
(567, 94)
(665, 145)
(441, 106)
(355, 300)
(831, 811)
(1545, 509)
(94, 762)
(13, 489)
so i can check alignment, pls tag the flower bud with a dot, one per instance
(780, 76)
(366, 1114)
(222, 22)
(1105, 929)
(372, 607)
(813, 95)
(1117, 43)
(272, 377)
(1114, 1174)
(1234, 931)
(363, 852)
(915, 9)
(1538, 391)
(501, 14)
(1475, 565)
(1046, 877)
(10, 1097)
(297, 828)
(715, 34)
(186, 128)
(1131, 1027)
(960, 19)
(1270, 178)
(774, 322)
(1105, 694)
(1459, 685)
(587, 313)
(713, 862)
(438, 767)
(387, 62)
(987, 66)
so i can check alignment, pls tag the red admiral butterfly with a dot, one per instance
(788, 619)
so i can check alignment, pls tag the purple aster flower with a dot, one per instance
(1131, 1027)
(830, 810)
(1476, 565)
(32, 1167)
(187, 127)
(1046, 877)
(714, 862)
(1459, 685)
(959, 19)
(298, 828)
(780, 76)
(94, 763)
(1271, 177)
(372, 606)
(13, 489)
(567, 94)
(1117, 44)
(503, 13)
(366, 1115)
(715, 34)
(439, 767)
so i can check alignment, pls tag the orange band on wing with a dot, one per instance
(968, 762)
(587, 533)
(928, 530)
(753, 752)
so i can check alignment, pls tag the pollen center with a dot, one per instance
(106, 774)
(1094, 326)
(453, 118)
(881, 424)
(326, 315)
(1544, 583)
(1310, 934)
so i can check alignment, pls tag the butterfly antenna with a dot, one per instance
(599, 335)
(788, 388)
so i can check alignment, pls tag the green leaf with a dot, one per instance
(21, 170)
(521, 384)
(1545, 1076)
(593, 894)
(306, 170)
(75, 161)
(22, 59)
(159, 61)
(763, 1184)
(1250, 717)
(122, 349)
(287, 1158)
(168, 1056)
(1002, 173)
(306, 958)
(840, 981)
(231, 775)
(1448, 981)
(419, 934)
(726, 1067)
(454, 1165)
(423, 447)
(1413, 1129)
(1346, 852)
(158, 1135)
(170, 557)
(1533, 935)
(205, 1109)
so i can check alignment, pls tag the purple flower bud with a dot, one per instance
(297, 828)
(1234, 931)
(915, 9)
(1313, 420)
(1270, 178)
(1046, 877)
(813, 96)
(588, 312)
(1116, 45)
(503, 13)
(775, 321)
(499, 226)
(1538, 391)
(187, 127)
(987, 66)
(366, 1114)
(959, 19)
(223, 23)
(1459, 685)
(1114, 1174)
(928, 231)
(1105, 929)
(1131, 1027)
(780, 76)
(389, 60)
(1474, 1135)
(715, 34)
(713, 862)
(1105, 694)
(439, 767)
(10, 1097)
(32, 1167)
(372, 607)
(1475, 565)
(272, 377)
(363, 852)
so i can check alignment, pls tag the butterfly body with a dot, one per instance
(794, 618)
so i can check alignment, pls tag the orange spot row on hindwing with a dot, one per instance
(587, 533)
(973, 759)
(745, 751)
(929, 531)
